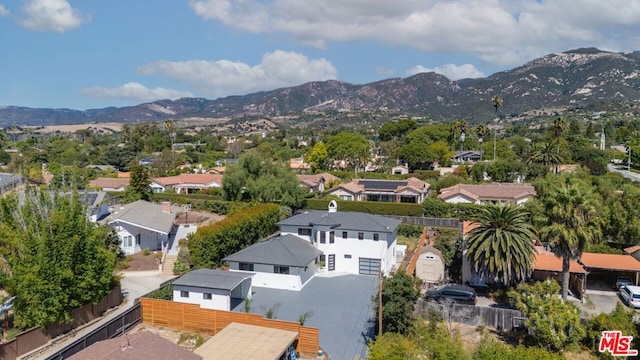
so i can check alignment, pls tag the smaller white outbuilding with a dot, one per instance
(213, 289)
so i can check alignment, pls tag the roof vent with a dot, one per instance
(333, 206)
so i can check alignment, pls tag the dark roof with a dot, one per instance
(382, 184)
(143, 345)
(212, 279)
(343, 221)
(287, 250)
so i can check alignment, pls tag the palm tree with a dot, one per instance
(457, 127)
(559, 127)
(545, 154)
(497, 102)
(571, 223)
(481, 131)
(171, 129)
(502, 245)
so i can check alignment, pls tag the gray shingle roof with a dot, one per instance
(212, 279)
(343, 221)
(287, 250)
(145, 214)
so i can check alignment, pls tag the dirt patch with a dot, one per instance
(142, 262)
(199, 218)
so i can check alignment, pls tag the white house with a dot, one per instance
(186, 183)
(280, 262)
(212, 289)
(496, 193)
(350, 242)
(143, 225)
(411, 190)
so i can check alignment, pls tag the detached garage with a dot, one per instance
(606, 267)
(369, 266)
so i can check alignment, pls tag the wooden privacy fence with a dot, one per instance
(499, 318)
(192, 317)
(34, 338)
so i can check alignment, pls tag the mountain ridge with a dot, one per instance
(558, 80)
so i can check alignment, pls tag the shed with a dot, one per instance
(248, 342)
(213, 289)
(430, 265)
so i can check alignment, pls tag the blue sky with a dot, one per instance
(96, 53)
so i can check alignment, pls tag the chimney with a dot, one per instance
(333, 206)
(166, 207)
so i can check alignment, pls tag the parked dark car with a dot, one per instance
(623, 281)
(461, 294)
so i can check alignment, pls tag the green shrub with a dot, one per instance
(410, 230)
(180, 268)
(620, 319)
(490, 349)
(210, 244)
(146, 251)
(163, 293)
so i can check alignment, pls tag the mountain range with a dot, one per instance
(555, 81)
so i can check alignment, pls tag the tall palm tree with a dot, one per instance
(458, 127)
(171, 129)
(502, 245)
(571, 223)
(481, 131)
(497, 101)
(545, 154)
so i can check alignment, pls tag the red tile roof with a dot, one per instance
(495, 191)
(632, 249)
(549, 262)
(113, 183)
(610, 262)
(203, 179)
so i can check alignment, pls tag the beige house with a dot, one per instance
(430, 265)
(109, 184)
(317, 182)
(186, 183)
(400, 170)
(411, 190)
(496, 193)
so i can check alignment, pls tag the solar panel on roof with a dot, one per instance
(381, 185)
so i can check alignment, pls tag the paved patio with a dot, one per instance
(342, 309)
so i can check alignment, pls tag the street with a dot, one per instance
(624, 172)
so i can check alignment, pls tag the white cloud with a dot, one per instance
(135, 92)
(225, 77)
(3, 11)
(51, 15)
(451, 71)
(496, 31)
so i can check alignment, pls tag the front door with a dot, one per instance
(332, 262)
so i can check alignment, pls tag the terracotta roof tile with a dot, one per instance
(203, 179)
(610, 261)
(506, 191)
(632, 249)
(114, 183)
(550, 262)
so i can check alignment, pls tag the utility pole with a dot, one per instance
(629, 161)
(380, 301)
(494, 143)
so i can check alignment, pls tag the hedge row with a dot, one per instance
(210, 244)
(371, 207)
(439, 209)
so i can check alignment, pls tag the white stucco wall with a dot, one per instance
(148, 239)
(429, 267)
(340, 192)
(220, 299)
(459, 199)
(274, 281)
(383, 249)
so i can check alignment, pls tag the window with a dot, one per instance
(184, 294)
(344, 234)
(376, 236)
(332, 237)
(128, 241)
(245, 266)
(323, 237)
(280, 269)
(206, 296)
(304, 232)
(346, 197)
(360, 236)
(347, 256)
(138, 239)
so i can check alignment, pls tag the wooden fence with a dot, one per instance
(191, 317)
(498, 318)
(34, 338)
